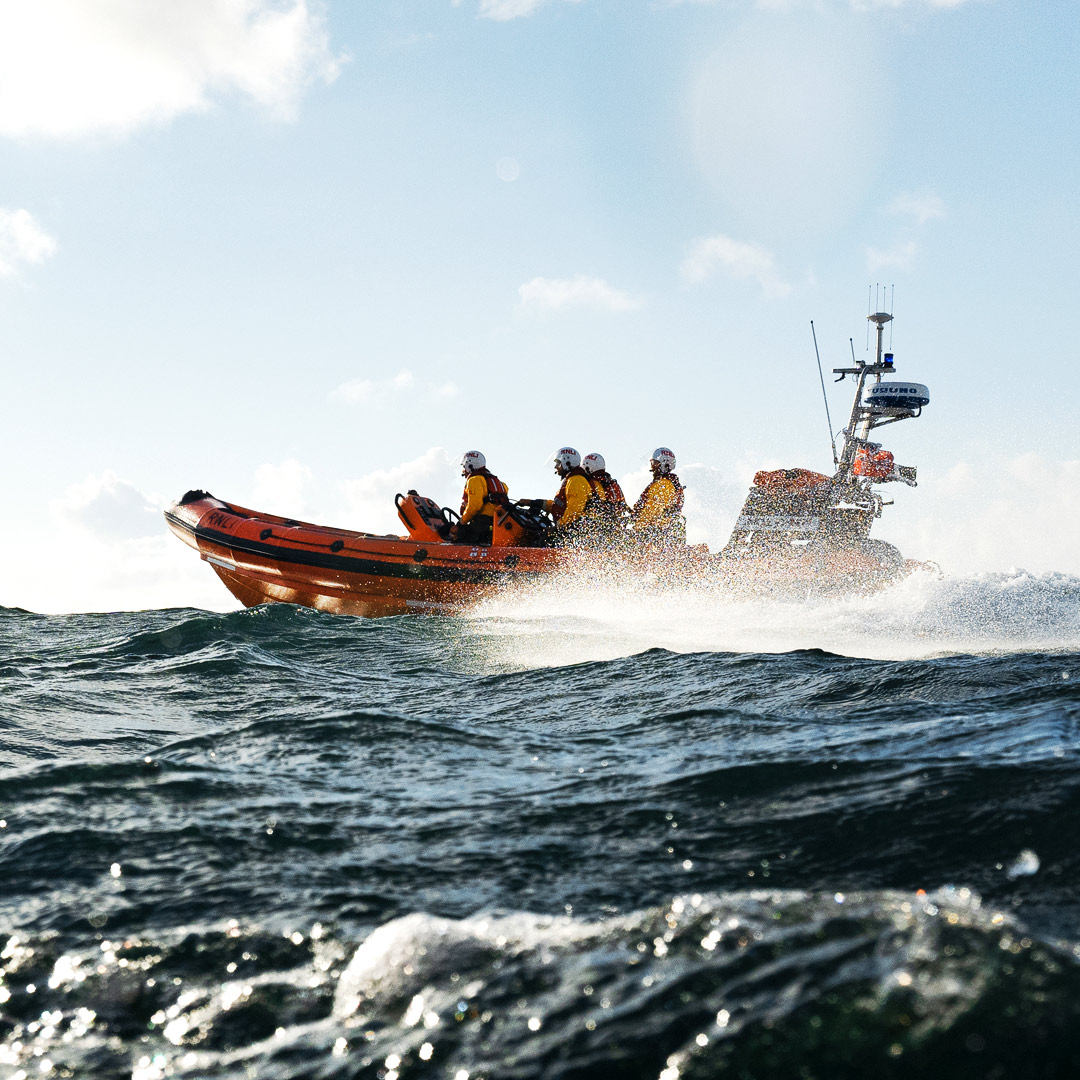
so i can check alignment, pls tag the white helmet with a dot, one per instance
(593, 463)
(567, 458)
(663, 459)
(472, 461)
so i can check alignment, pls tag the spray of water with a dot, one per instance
(582, 617)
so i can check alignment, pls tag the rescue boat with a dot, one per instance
(262, 558)
(798, 529)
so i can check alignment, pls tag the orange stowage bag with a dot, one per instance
(505, 530)
(789, 480)
(873, 464)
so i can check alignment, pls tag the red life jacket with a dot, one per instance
(610, 487)
(558, 504)
(497, 495)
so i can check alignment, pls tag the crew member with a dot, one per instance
(609, 489)
(568, 506)
(483, 492)
(608, 504)
(657, 515)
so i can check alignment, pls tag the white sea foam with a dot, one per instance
(576, 618)
(401, 954)
(427, 973)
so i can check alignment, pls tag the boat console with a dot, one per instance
(797, 511)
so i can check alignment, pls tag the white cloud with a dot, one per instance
(279, 489)
(370, 498)
(505, 10)
(108, 574)
(555, 294)
(922, 206)
(363, 391)
(125, 558)
(869, 5)
(22, 240)
(735, 258)
(901, 257)
(993, 516)
(856, 5)
(109, 508)
(958, 479)
(73, 68)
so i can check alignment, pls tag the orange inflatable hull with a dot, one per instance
(262, 558)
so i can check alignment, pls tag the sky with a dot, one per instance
(304, 253)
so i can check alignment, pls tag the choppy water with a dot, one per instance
(578, 834)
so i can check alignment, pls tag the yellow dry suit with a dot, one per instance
(569, 505)
(657, 515)
(483, 492)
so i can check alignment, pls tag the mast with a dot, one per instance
(862, 416)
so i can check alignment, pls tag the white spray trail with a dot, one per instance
(577, 619)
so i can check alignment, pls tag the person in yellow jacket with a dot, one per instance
(483, 492)
(610, 498)
(606, 510)
(569, 504)
(657, 515)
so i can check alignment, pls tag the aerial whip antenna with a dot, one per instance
(832, 437)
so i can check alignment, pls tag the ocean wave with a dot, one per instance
(751, 983)
(263, 816)
(578, 619)
(257, 843)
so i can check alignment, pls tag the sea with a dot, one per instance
(589, 830)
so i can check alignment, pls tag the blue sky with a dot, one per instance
(304, 255)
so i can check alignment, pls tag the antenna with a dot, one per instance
(832, 437)
(879, 319)
(876, 295)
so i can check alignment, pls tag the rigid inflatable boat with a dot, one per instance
(263, 558)
(798, 530)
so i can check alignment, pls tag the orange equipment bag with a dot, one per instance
(789, 480)
(873, 464)
(422, 517)
(506, 530)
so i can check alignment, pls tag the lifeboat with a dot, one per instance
(798, 530)
(262, 558)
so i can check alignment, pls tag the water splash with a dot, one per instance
(583, 617)
(1024, 865)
